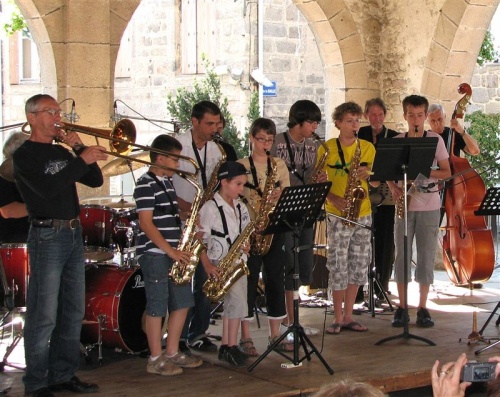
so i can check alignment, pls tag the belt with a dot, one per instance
(57, 223)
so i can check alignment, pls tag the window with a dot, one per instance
(24, 61)
(198, 34)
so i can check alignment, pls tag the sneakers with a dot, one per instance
(309, 331)
(233, 356)
(204, 345)
(398, 318)
(161, 366)
(424, 319)
(184, 348)
(184, 361)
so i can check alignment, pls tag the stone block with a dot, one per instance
(89, 65)
(286, 47)
(323, 32)
(475, 81)
(492, 81)
(331, 8)
(445, 32)
(355, 75)
(352, 49)
(458, 61)
(273, 13)
(311, 11)
(343, 25)
(274, 30)
(492, 108)
(431, 83)
(279, 65)
(480, 95)
(437, 58)
(454, 10)
(88, 27)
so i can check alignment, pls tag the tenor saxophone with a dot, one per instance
(354, 193)
(230, 268)
(260, 244)
(212, 183)
(318, 169)
(189, 242)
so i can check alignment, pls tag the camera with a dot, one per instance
(478, 372)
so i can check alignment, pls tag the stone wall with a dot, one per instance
(485, 89)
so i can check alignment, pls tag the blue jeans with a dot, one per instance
(198, 319)
(55, 306)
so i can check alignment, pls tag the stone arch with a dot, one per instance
(340, 47)
(37, 27)
(455, 45)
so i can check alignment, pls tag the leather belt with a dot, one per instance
(57, 223)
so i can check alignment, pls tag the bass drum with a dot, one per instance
(115, 301)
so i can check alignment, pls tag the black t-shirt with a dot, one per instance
(12, 230)
(366, 134)
(46, 176)
(459, 141)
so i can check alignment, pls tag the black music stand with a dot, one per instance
(490, 206)
(403, 159)
(297, 208)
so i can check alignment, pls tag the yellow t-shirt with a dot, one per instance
(337, 174)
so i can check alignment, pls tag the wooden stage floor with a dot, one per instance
(396, 365)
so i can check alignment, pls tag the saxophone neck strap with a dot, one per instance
(173, 209)
(201, 164)
(292, 168)
(342, 158)
(225, 234)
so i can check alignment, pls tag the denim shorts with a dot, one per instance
(162, 294)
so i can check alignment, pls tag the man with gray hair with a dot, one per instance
(463, 141)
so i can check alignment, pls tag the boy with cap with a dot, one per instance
(222, 220)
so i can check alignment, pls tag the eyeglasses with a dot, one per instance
(353, 121)
(313, 122)
(52, 112)
(264, 140)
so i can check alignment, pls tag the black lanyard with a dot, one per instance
(173, 209)
(224, 223)
(255, 186)
(342, 159)
(292, 168)
(201, 164)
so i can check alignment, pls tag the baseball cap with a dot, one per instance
(230, 169)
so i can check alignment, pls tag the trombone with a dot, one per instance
(122, 139)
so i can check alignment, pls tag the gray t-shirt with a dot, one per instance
(303, 153)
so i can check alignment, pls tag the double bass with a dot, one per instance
(468, 251)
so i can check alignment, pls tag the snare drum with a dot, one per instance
(97, 225)
(16, 266)
(115, 301)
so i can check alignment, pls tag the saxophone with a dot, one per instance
(231, 267)
(318, 169)
(354, 193)
(260, 244)
(189, 242)
(212, 183)
(400, 204)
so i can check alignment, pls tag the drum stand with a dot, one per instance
(17, 335)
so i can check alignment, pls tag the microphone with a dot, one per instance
(115, 118)
(73, 117)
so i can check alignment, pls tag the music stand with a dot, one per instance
(403, 159)
(297, 208)
(489, 206)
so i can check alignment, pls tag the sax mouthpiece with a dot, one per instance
(268, 153)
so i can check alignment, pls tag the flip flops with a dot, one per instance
(334, 329)
(355, 326)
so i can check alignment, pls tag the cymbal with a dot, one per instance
(120, 166)
(7, 170)
(122, 204)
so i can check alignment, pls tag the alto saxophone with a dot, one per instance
(260, 244)
(400, 204)
(189, 242)
(212, 183)
(354, 193)
(318, 169)
(230, 268)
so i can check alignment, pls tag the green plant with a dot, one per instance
(16, 22)
(208, 89)
(487, 52)
(485, 128)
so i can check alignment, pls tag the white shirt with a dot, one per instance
(210, 219)
(184, 189)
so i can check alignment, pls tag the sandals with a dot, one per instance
(247, 347)
(355, 326)
(334, 329)
(284, 346)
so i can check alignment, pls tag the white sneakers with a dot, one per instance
(309, 331)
